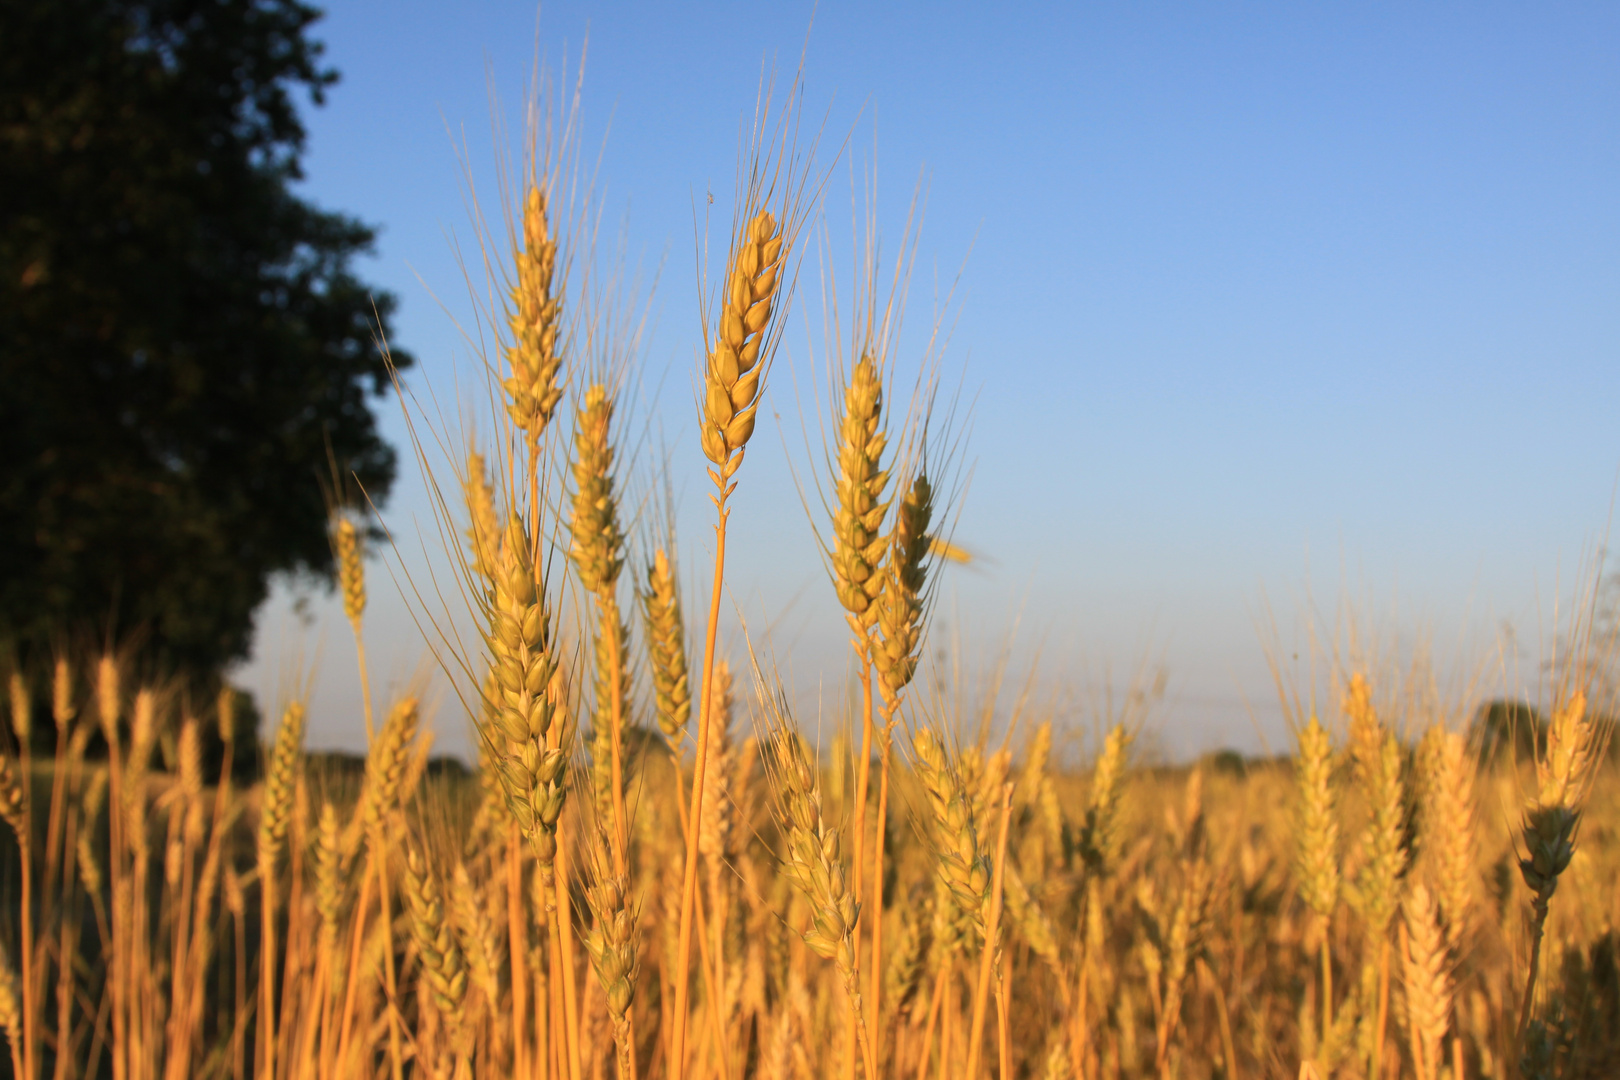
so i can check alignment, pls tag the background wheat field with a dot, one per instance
(670, 861)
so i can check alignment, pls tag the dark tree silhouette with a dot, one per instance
(182, 341)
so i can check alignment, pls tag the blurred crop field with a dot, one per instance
(658, 868)
(1138, 921)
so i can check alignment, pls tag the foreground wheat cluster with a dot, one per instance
(658, 871)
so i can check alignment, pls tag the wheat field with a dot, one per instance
(656, 871)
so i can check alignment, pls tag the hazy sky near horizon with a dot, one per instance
(1256, 308)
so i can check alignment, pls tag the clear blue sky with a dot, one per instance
(1257, 300)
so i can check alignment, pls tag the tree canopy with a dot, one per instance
(185, 350)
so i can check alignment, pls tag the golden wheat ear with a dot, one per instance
(1563, 774)
(811, 859)
(1316, 832)
(733, 377)
(613, 943)
(858, 543)
(1376, 754)
(666, 644)
(444, 968)
(532, 388)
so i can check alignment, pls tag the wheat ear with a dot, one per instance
(1099, 849)
(515, 725)
(1427, 981)
(1452, 837)
(483, 523)
(444, 969)
(1377, 756)
(962, 865)
(349, 555)
(858, 544)
(1189, 924)
(666, 642)
(11, 1013)
(1551, 821)
(536, 311)
(1317, 847)
(811, 861)
(614, 947)
(281, 778)
(900, 609)
(598, 554)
